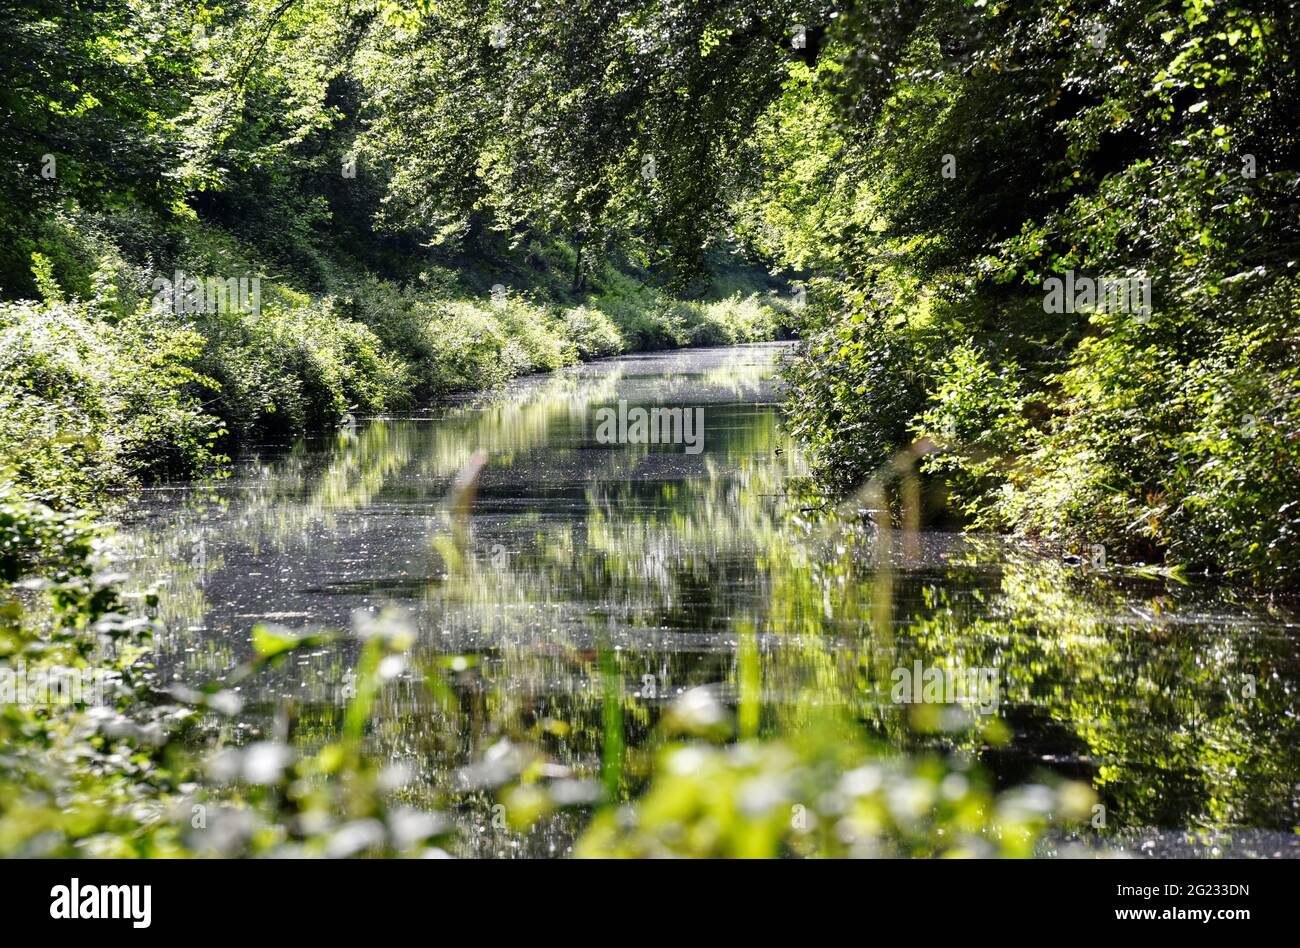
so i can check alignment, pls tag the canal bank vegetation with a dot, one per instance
(115, 377)
(986, 159)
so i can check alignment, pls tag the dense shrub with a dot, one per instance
(733, 320)
(292, 367)
(1173, 438)
(646, 322)
(115, 389)
(1157, 449)
(86, 404)
(856, 383)
(593, 334)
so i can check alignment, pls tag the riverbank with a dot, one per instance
(118, 377)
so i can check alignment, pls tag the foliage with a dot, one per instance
(87, 405)
(827, 798)
(605, 124)
(978, 414)
(71, 771)
(858, 381)
(984, 149)
(373, 168)
(294, 366)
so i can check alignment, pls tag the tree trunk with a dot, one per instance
(577, 267)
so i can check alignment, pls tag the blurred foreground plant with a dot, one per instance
(826, 793)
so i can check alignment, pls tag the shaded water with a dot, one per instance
(1176, 702)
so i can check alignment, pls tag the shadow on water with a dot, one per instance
(585, 565)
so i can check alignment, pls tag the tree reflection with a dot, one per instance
(582, 566)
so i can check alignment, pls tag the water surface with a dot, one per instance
(1177, 702)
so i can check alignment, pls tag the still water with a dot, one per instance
(566, 553)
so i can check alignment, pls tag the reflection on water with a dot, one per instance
(1177, 703)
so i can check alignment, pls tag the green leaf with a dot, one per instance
(269, 641)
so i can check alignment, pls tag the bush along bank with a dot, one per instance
(1069, 262)
(120, 374)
